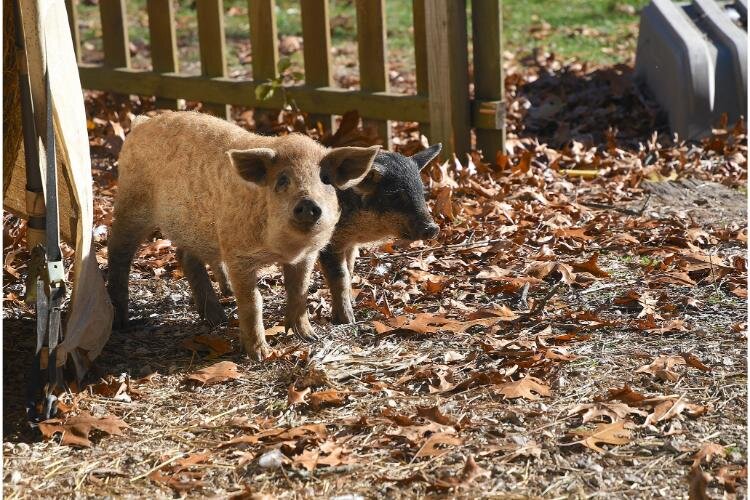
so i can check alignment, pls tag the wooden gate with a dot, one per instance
(443, 105)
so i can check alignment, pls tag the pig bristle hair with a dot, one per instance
(138, 120)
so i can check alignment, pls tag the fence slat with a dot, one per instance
(447, 69)
(264, 45)
(161, 27)
(114, 33)
(212, 46)
(379, 105)
(373, 74)
(420, 57)
(487, 25)
(72, 7)
(316, 34)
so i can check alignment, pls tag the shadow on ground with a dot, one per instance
(573, 103)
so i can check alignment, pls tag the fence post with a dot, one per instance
(420, 57)
(373, 74)
(114, 33)
(212, 47)
(447, 72)
(316, 49)
(487, 26)
(161, 27)
(72, 7)
(264, 45)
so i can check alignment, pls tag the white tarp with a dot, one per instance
(89, 315)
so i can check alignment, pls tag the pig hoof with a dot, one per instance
(215, 315)
(342, 319)
(258, 351)
(303, 330)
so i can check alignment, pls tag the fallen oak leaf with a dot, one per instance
(330, 397)
(469, 472)
(279, 434)
(75, 430)
(528, 387)
(614, 433)
(698, 484)
(416, 433)
(626, 395)
(430, 448)
(182, 481)
(178, 477)
(707, 452)
(613, 411)
(728, 477)
(418, 476)
(295, 397)
(215, 345)
(669, 407)
(591, 266)
(693, 361)
(433, 413)
(662, 366)
(214, 374)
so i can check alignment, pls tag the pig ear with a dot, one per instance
(346, 167)
(370, 183)
(252, 164)
(426, 156)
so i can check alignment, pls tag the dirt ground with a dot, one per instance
(567, 335)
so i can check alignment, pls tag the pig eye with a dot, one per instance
(282, 182)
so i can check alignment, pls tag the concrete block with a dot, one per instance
(693, 58)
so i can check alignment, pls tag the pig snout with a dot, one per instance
(428, 231)
(424, 228)
(306, 213)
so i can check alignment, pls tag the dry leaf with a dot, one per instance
(662, 366)
(698, 484)
(295, 397)
(214, 345)
(614, 433)
(214, 374)
(433, 413)
(430, 448)
(528, 387)
(669, 407)
(626, 395)
(75, 430)
(707, 452)
(330, 397)
(613, 411)
(591, 266)
(470, 472)
(693, 361)
(444, 203)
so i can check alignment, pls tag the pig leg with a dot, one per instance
(336, 271)
(297, 284)
(250, 308)
(351, 257)
(204, 296)
(129, 229)
(221, 276)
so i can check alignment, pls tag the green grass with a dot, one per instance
(564, 27)
(612, 25)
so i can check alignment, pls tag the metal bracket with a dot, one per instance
(55, 275)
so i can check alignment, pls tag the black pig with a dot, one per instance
(390, 202)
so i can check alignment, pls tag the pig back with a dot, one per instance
(177, 163)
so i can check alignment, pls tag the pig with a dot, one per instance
(232, 199)
(389, 202)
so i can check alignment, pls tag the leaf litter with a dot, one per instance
(565, 302)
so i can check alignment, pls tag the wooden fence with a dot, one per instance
(442, 105)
